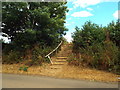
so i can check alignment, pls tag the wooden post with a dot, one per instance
(50, 59)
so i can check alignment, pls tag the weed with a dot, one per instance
(24, 68)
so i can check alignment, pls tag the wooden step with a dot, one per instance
(62, 57)
(60, 61)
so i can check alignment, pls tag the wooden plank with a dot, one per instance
(60, 61)
(62, 57)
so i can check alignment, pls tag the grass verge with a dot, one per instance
(72, 72)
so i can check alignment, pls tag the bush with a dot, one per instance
(110, 56)
(98, 46)
(12, 57)
(38, 55)
(88, 35)
(114, 31)
(25, 68)
(37, 59)
(72, 60)
(24, 41)
(101, 56)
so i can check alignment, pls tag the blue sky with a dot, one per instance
(101, 12)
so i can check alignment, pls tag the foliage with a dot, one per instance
(114, 30)
(104, 57)
(95, 46)
(73, 60)
(34, 28)
(12, 57)
(25, 40)
(13, 17)
(47, 19)
(90, 34)
(36, 56)
(25, 68)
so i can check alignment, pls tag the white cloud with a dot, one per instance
(116, 15)
(70, 9)
(67, 24)
(82, 14)
(86, 3)
(89, 9)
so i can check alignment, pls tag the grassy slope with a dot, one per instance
(66, 71)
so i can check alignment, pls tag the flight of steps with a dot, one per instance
(61, 58)
(58, 62)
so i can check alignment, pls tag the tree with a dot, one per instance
(47, 19)
(88, 35)
(114, 30)
(14, 17)
(96, 46)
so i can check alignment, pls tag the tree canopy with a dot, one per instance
(89, 34)
(46, 19)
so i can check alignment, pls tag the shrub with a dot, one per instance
(101, 56)
(25, 68)
(38, 54)
(98, 46)
(74, 60)
(12, 57)
(37, 59)
(114, 31)
(88, 35)
(110, 56)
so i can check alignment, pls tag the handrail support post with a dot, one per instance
(55, 50)
(50, 59)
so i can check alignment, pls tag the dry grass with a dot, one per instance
(87, 74)
(66, 72)
(14, 68)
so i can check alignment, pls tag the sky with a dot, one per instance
(101, 12)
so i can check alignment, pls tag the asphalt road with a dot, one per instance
(24, 81)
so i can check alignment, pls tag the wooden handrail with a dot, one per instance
(48, 55)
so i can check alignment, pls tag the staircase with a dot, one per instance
(61, 58)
